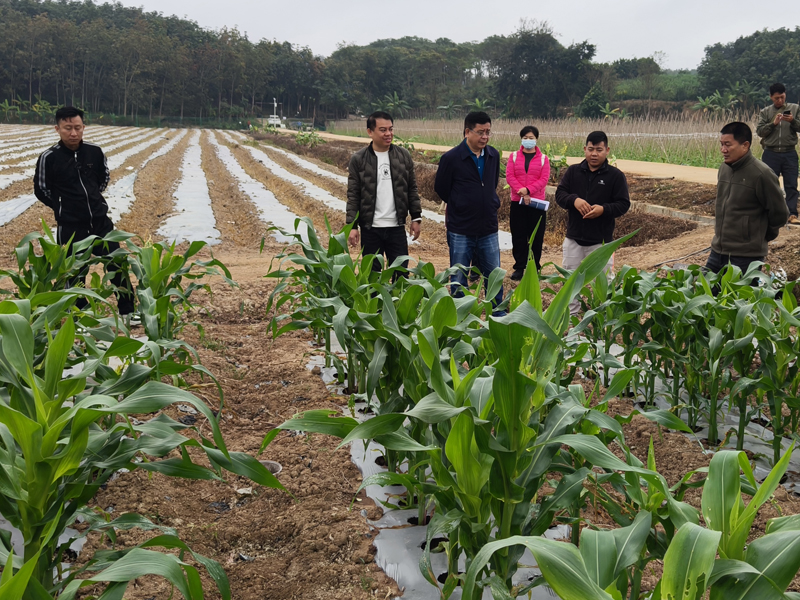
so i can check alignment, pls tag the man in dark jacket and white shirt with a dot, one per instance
(381, 192)
(750, 208)
(467, 180)
(594, 194)
(778, 125)
(70, 178)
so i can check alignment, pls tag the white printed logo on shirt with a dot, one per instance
(385, 172)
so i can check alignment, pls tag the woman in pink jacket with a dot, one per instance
(527, 172)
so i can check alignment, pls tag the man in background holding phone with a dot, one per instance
(778, 125)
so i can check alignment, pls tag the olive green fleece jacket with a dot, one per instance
(783, 135)
(750, 208)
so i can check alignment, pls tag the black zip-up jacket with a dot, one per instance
(472, 203)
(72, 182)
(606, 186)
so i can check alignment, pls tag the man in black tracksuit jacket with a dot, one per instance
(70, 178)
(594, 193)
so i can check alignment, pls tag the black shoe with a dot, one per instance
(517, 275)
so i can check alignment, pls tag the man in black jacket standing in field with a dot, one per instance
(467, 180)
(381, 192)
(70, 178)
(594, 194)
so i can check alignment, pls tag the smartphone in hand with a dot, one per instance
(787, 112)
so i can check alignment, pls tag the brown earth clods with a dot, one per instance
(307, 545)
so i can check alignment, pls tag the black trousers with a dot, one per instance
(717, 262)
(523, 220)
(785, 163)
(100, 227)
(389, 241)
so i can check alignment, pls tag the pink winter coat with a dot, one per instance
(535, 179)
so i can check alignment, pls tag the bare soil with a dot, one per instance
(310, 545)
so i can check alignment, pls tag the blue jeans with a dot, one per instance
(473, 250)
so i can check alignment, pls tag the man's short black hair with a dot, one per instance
(68, 112)
(477, 117)
(777, 88)
(529, 129)
(378, 114)
(596, 137)
(741, 132)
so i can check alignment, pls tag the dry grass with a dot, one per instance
(677, 139)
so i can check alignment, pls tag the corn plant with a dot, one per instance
(62, 436)
(162, 293)
(52, 269)
(761, 569)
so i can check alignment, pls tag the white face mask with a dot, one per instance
(528, 144)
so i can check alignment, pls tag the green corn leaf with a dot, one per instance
(139, 563)
(741, 529)
(432, 409)
(619, 382)
(330, 422)
(666, 419)
(408, 306)
(721, 500)
(471, 467)
(57, 354)
(123, 346)
(599, 554)
(402, 442)
(630, 540)
(13, 585)
(245, 465)
(688, 563)
(561, 564)
(528, 289)
(787, 523)
(17, 344)
(371, 428)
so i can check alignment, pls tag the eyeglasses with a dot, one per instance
(482, 132)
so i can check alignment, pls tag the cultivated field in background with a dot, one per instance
(678, 140)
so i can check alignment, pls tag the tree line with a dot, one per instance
(126, 61)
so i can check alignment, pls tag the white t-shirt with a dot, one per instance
(385, 211)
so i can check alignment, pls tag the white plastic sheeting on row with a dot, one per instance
(193, 219)
(504, 236)
(120, 196)
(7, 179)
(316, 192)
(36, 149)
(11, 209)
(269, 209)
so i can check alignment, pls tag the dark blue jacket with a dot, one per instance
(472, 204)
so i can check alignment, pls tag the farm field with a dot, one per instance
(675, 139)
(226, 189)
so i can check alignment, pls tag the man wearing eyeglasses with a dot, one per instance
(467, 181)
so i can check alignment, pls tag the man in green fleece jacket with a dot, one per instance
(750, 208)
(777, 127)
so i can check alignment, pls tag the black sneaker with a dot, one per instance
(517, 275)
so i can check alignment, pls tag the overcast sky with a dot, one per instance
(619, 29)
